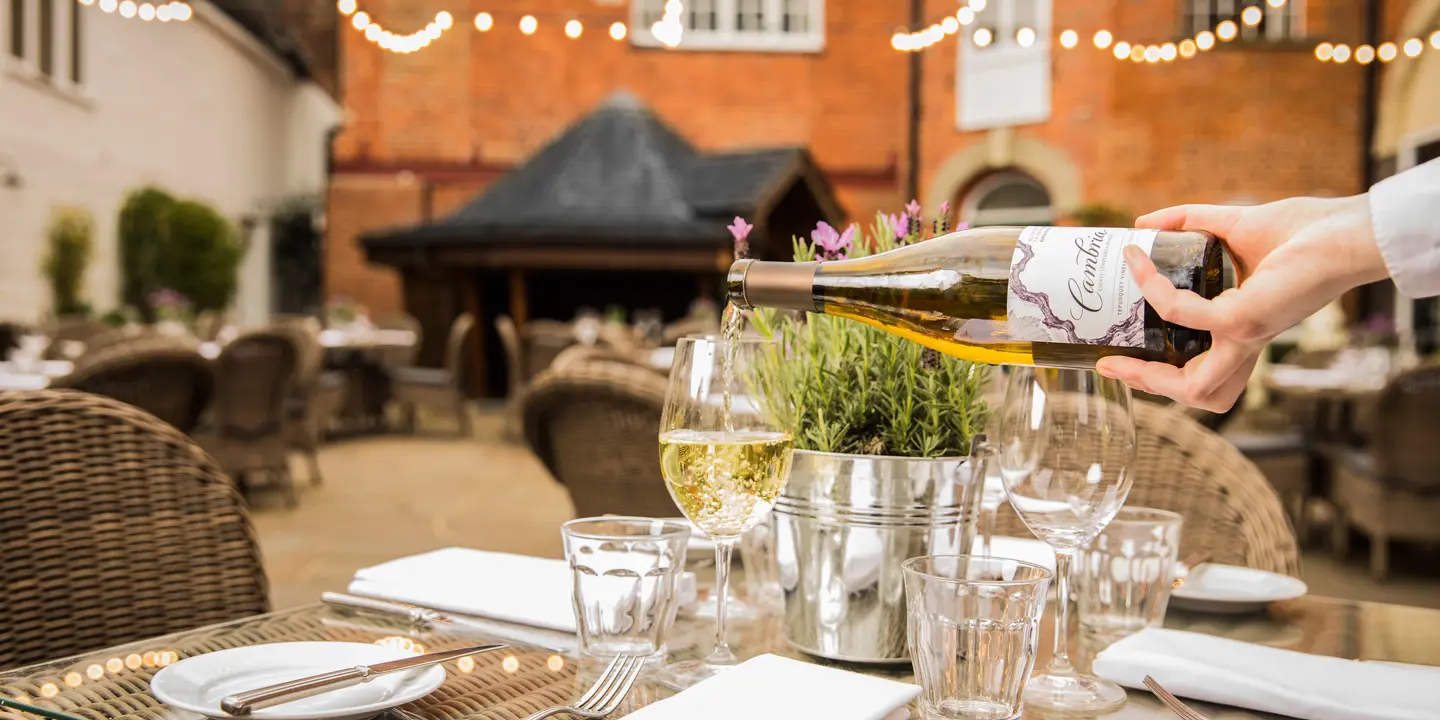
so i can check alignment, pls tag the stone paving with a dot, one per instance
(396, 495)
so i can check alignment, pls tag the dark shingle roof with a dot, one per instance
(619, 174)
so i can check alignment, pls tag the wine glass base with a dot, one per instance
(690, 673)
(1078, 694)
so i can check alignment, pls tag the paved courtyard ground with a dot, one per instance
(385, 497)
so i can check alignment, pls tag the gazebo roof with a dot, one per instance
(618, 177)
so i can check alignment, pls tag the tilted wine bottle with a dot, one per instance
(1051, 296)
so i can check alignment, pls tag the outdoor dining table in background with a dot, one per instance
(39, 377)
(115, 682)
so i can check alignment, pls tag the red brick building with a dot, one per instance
(1013, 131)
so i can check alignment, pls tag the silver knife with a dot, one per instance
(289, 691)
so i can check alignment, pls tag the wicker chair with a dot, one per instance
(1393, 490)
(116, 528)
(594, 426)
(163, 376)
(208, 325)
(1230, 510)
(584, 354)
(315, 396)
(442, 388)
(254, 380)
(686, 327)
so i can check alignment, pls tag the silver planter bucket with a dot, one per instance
(843, 525)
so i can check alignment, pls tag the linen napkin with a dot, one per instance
(1255, 677)
(519, 589)
(770, 687)
(1030, 550)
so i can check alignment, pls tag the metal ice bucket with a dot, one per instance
(843, 525)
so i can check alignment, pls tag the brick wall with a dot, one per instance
(1234, 125)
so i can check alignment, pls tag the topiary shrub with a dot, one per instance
(201, 258)
(143, 232)
(70, 246)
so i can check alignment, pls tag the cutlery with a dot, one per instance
(33, 710)
(1176, 706)
(606, 694)
(424, 617)
(416, 614)
(243, 703)
(1192, 561)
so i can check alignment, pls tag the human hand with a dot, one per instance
(1293, 257)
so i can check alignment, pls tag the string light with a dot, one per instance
(529, 24)
(1137, 53)
(1227, 30)
(1102, 39)
(1252, 16)
(147, 12)
(1413, 47)
(1341, 54)
(669, 30)
(1324, 51)
(1364, 54)
(346, 7)
(1205, 40)
(1187, 48)
(982, 37)
(361, 20)
(1069, 39)
(1277, 3)
(484, 21)
(1152, 54)
(617, 30)
(1435, 39)
(1025, 37)
(977, 5)
(127, 9)
(1386, 52)
(573, 29)
(965, 15)
(1122, 50)
(396, 43)
(108, 5)
(950, 25)
(1168, 51)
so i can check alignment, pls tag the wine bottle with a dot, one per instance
(1051, 296)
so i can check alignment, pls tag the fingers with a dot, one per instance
(1179, 384)
(1216, 219)
(1181, 307)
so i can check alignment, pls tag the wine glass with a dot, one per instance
(1067, 438)
(725, 457)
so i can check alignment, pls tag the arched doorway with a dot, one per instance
(1009, 197)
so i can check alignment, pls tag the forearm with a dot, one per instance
(1405, 216)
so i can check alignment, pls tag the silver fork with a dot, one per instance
(606, 694)
(1176, 706)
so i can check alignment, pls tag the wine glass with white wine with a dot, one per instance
(724, 458)
(1067, 440)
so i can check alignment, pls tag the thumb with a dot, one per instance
(1214, 219)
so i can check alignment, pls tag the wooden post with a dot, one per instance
(519, 301)
(705, 286)
(470, 296)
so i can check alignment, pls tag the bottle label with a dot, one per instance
(1072, 285)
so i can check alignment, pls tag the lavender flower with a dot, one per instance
(900, 224)
(913, 208)
(165, 297)
(944, 219)
(831, 242)
(740, 230)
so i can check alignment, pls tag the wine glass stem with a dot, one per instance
(721, 655)
(1060, 660)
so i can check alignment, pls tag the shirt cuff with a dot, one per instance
(1405, 214)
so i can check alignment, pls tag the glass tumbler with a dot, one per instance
(762, 568)
(974, 626)
(1125, 574)
(627, 580)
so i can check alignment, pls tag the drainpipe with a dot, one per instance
(1368, 91)
(912, 174)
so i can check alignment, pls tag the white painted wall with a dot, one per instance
(197, 108)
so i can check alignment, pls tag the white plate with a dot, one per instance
(197, 684)
(1231, 589)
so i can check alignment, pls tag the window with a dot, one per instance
(1004, 65)
(1007, 198)
(46, 61)
(17, 28)
(755, 25)
(1283, 23)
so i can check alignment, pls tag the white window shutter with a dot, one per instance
(1005, 84)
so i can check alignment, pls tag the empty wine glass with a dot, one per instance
(1067, 439)
(725, 458)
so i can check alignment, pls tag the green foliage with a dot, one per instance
(201, 258)
(144, 231)
(70, 247)
(858, 389)
(1101, 215)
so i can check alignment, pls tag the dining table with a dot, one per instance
(38, 376)
(525, 678)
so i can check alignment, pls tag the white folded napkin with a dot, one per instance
(1255, 677)
(516, 589)
(770, 687)
(1030, 550)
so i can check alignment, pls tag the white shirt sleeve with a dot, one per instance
(1405, 213)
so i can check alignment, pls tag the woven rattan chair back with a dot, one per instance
(514, 355)
(685, 327)
(455, 349)
(595, 425)
(541, 342)
(1230, 509)
(585, 354)
(163, 376)
(255, 376)
(304, 331)
(1403, 442)
(116, 527)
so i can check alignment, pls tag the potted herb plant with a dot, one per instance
(882, 431)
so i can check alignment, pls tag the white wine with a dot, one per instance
(725, 481)
(1051, 296)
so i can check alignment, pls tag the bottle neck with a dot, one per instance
(784, 285)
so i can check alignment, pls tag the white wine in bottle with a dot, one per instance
(1051, 296)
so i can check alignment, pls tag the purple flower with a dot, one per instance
(913, 207)
(962, 226)
(833, 243)
(945, 209)
(740, 230)
(900, 224)
(166, 297)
